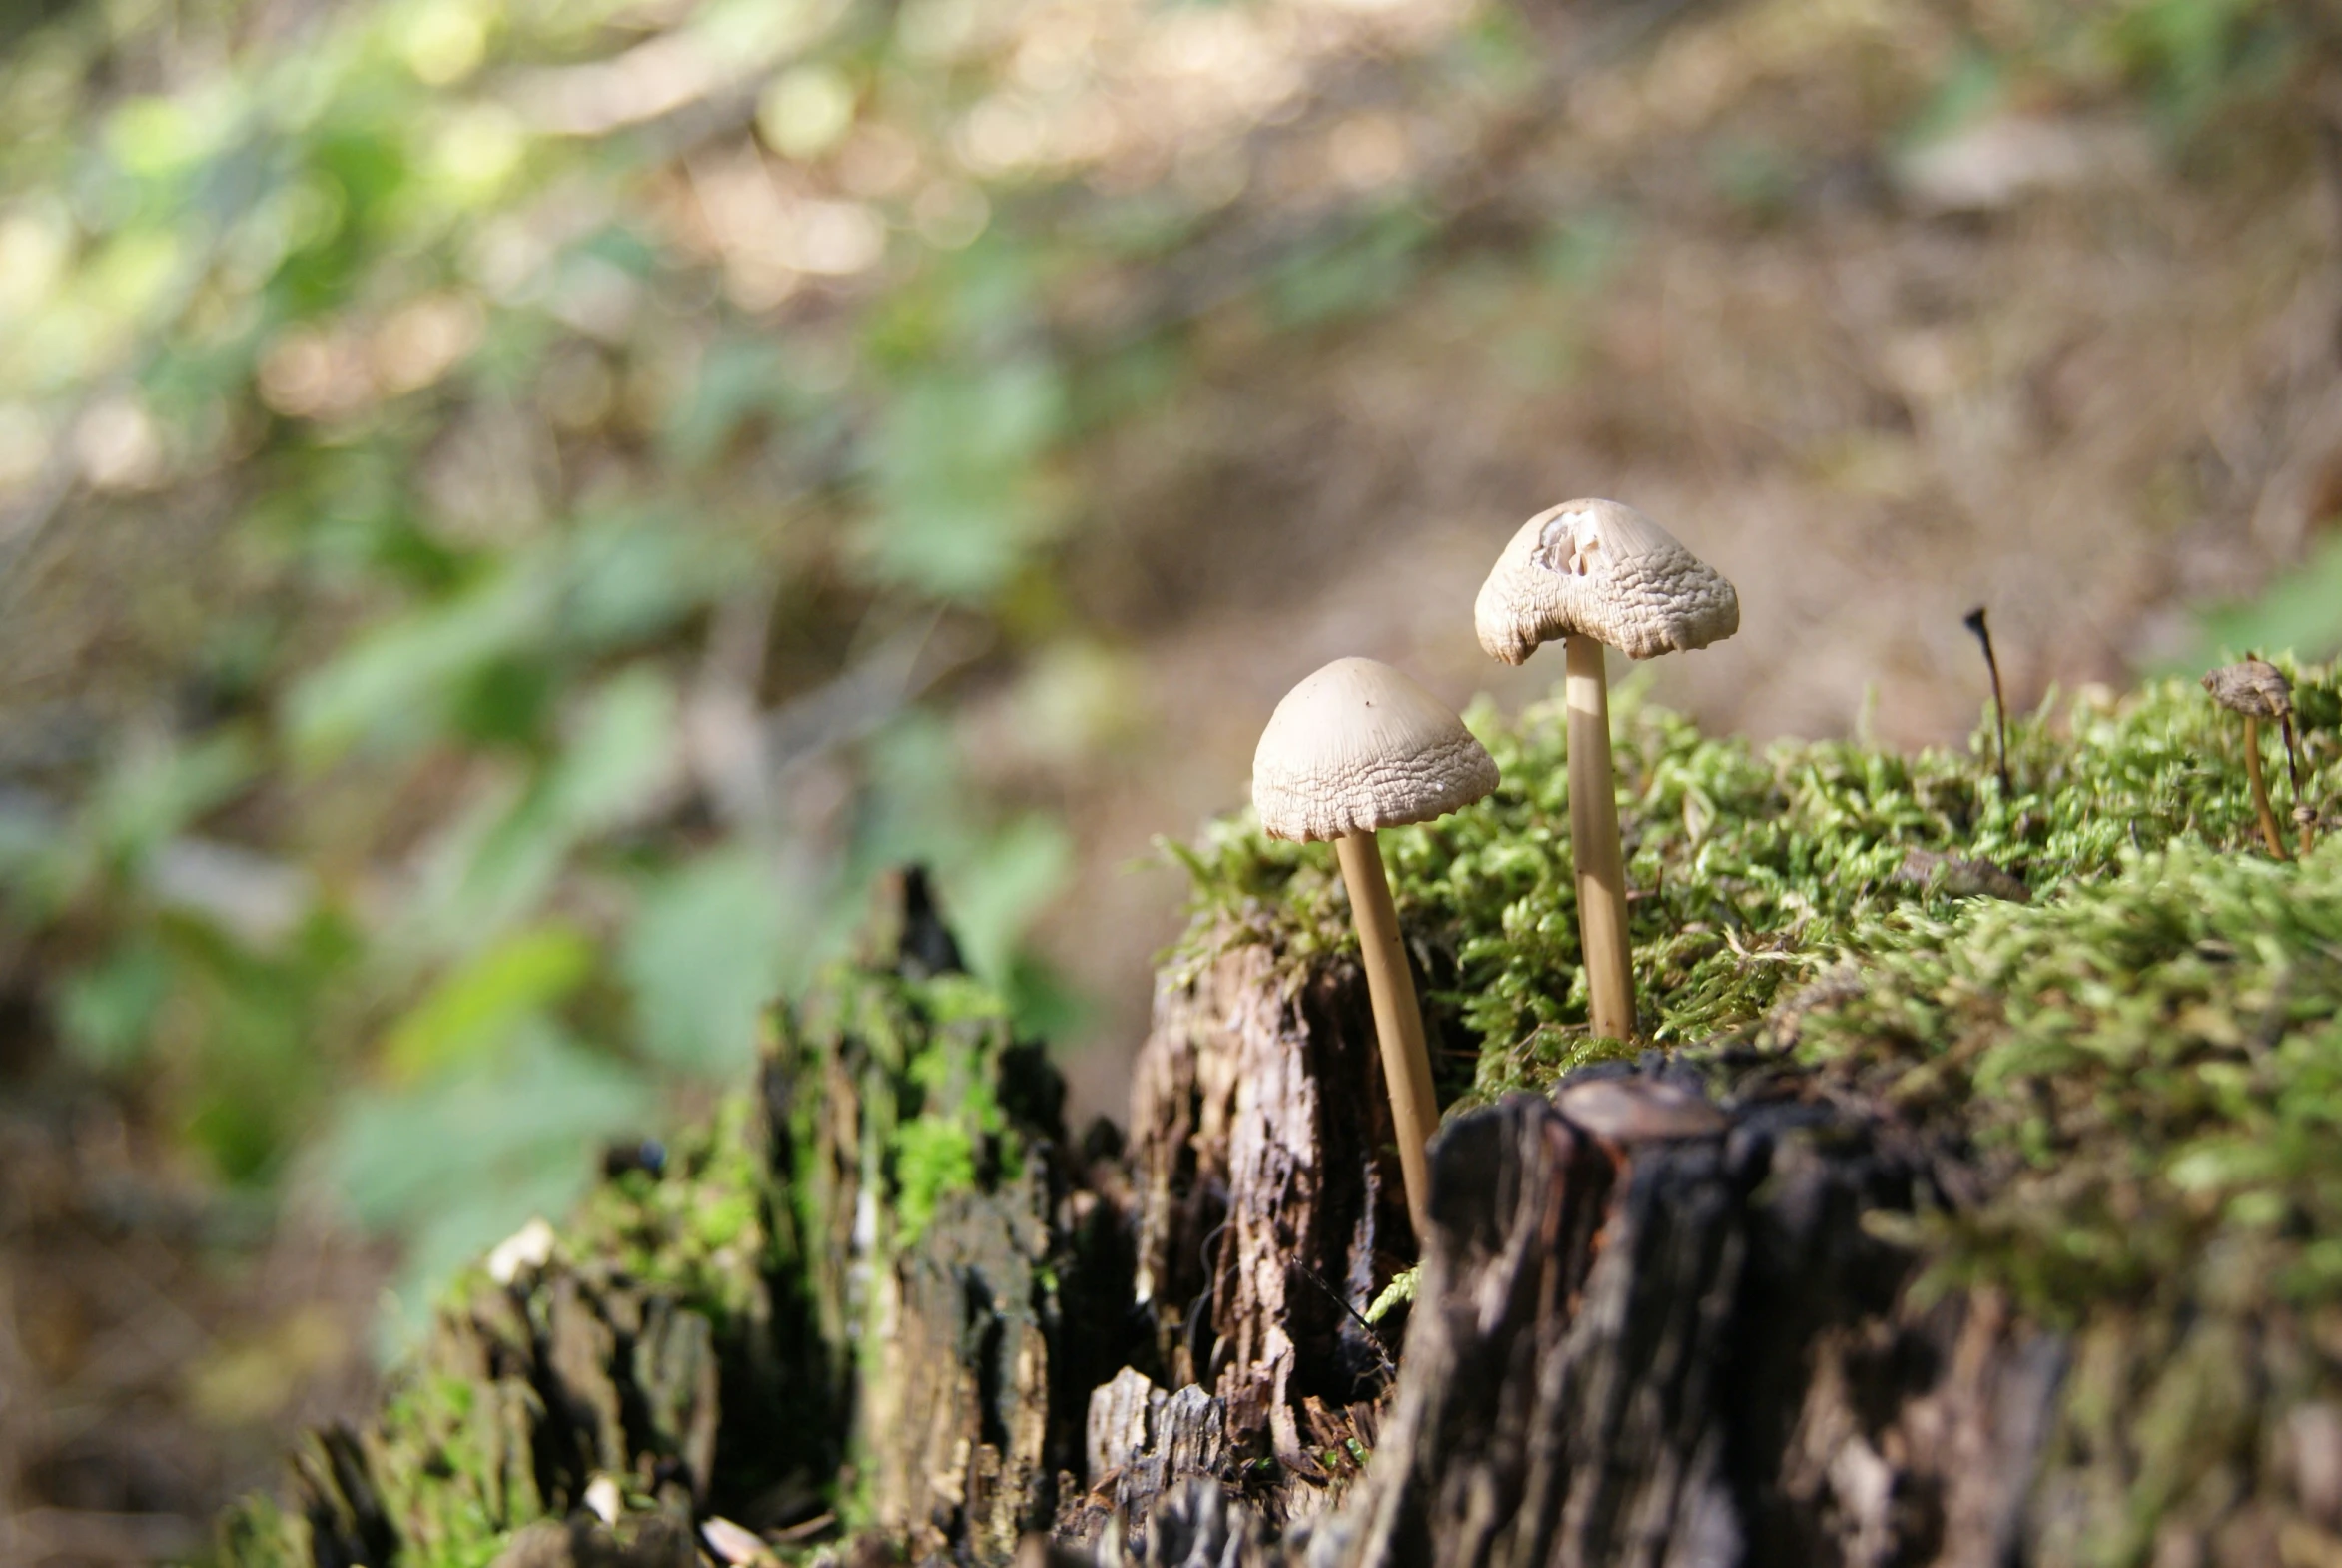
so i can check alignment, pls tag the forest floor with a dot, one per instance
(2058, 369)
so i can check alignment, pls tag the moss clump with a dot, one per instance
(695, 1228)
(1748, 870)
(2154, 1060)
(2149, 1068)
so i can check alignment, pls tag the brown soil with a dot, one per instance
(158, 1340)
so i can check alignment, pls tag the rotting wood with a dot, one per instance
(1668, 1338)
(953, 1418)
(1664, 1319)
(524, 1398)
(1271, 1207)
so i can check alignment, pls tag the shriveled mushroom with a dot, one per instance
(1600, 573)
(1355, 748)
(2259, 690)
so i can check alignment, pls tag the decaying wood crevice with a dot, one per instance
(1271, 1202)
(1667, 1317)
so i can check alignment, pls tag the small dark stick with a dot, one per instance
(2303, 816)
(1973, 620)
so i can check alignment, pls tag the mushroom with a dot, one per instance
(1596, 573)
(1355, 748)
(2259, 690)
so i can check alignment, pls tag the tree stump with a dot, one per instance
(1677, 1313)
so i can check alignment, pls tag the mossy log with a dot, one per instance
(1947, 1228)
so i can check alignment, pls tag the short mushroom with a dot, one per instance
(2259, 690)
(1355, 748)
(1597, 572)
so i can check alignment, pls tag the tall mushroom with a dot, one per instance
(1599, 573)
(1355, 748)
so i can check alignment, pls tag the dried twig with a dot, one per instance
(1975, 622)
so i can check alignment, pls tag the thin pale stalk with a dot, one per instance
(1398, 1019)
(2260, 789)
(1594, 844)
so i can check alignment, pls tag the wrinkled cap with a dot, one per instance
(2254, 689)
(1360, 746)
(1598, 569)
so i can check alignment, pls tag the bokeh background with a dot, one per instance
(514, 515)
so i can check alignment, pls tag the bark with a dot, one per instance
(1270, 1211)
(1686, 1351)
(1667, 1317)
(524, 1398)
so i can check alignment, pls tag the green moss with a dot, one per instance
(2155, 1057)
(696, 1229)
(1747, 869)
(450, 1463)
(2145, 1058)
(934, 1154)
(2149, 1046)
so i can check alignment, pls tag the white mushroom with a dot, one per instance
(1596, 572)
(1598, 569)
(1355, 748)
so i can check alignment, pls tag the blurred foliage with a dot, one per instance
(2301, 610)
(599, 427)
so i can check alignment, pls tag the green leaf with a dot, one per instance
(630, 579)
(1973, 87)
(739, 381)
(107, 1010)
(2300, 613)
(955, 456)
(449, 1142)
(462, 1161)
(618, 752)
(996, 894)
(481, 1007)
(705, 958)
(392, 688)
(494, 864)
(502, 857)
(1351, 272)
(155, 793)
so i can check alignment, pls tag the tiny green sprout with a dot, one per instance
(1400, 1289)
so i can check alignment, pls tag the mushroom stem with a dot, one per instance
(1398, 1020)
(2260, 790)
(1594, 845)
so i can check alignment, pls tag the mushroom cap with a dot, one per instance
(2254, 689)
(1361, 746)
(1599, 570)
